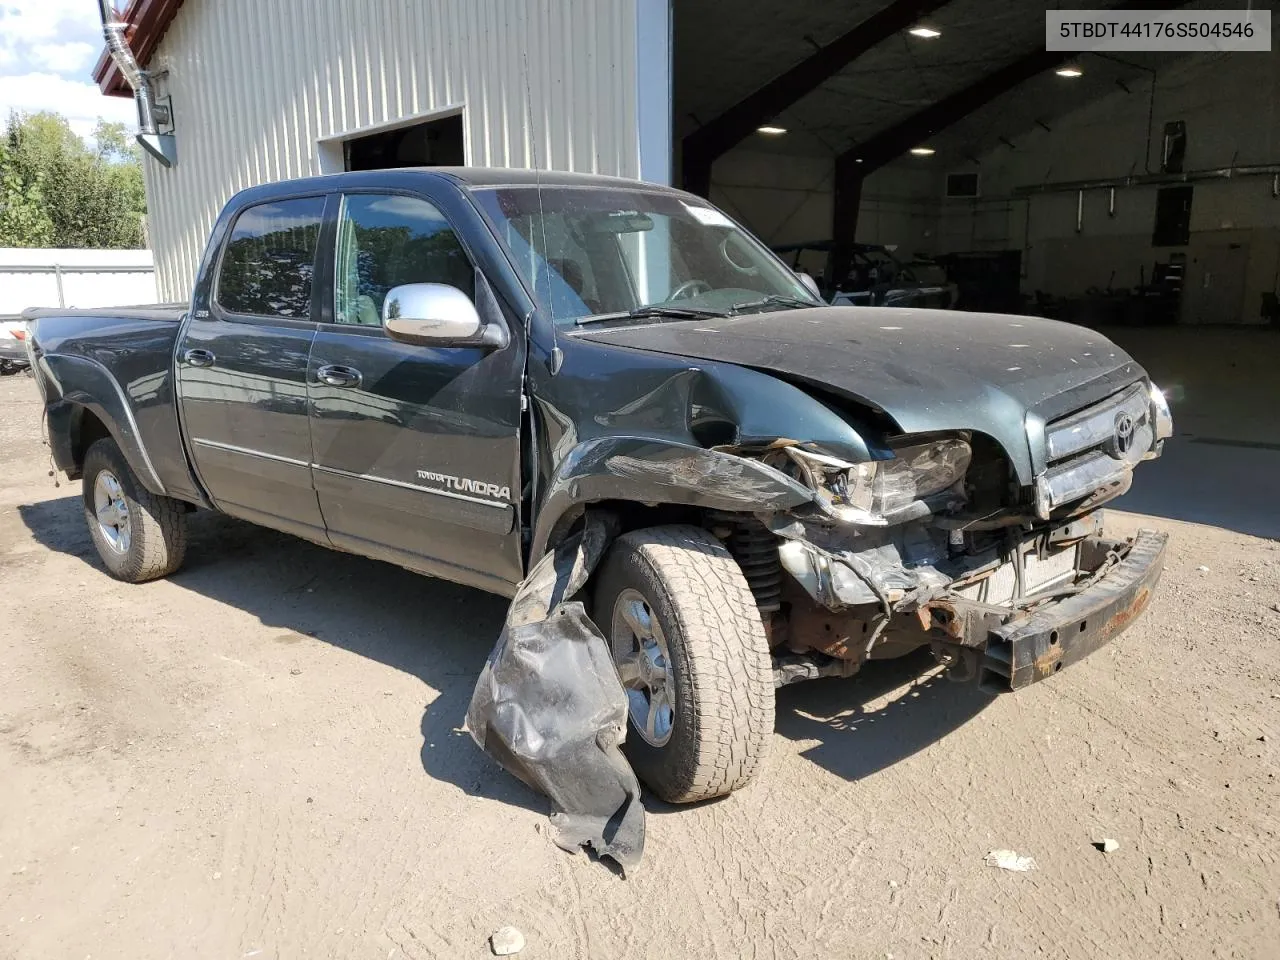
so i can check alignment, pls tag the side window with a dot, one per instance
(270, 259)
(385, 241)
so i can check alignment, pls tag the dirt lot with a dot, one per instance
(261, 757)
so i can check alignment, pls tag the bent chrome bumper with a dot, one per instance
(1060, 633)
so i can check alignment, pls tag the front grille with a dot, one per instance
(1094, 427)
(1096, 447)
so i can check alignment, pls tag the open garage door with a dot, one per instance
(437, 140)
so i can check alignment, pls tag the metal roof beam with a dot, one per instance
(864, 158)
(894, 141)
(704, 145)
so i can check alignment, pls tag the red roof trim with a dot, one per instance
(148, 20)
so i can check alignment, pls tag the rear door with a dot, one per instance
(416, 449)
(242, 368)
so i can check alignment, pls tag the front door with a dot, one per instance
(242, 368)
(415, 449)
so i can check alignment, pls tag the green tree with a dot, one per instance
(24, 216)
(55, 190)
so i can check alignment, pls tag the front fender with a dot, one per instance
(651, 471)
(84, 384)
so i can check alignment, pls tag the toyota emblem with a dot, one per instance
(1124, 434)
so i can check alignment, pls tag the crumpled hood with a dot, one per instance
(926, 369)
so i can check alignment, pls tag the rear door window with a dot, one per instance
(269, 262)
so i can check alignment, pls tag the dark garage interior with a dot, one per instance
(891, 149)
(427, 143)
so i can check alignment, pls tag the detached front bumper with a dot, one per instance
(1060, 633)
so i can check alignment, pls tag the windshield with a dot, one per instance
(603, 252)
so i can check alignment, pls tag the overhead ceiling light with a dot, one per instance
(925, 32)
(922, 151)
(771, 131)
(1069, 70)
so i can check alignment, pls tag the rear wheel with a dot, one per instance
(139, 535)
(692, 655)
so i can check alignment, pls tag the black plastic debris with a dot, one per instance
(549, 706)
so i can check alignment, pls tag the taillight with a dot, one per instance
(19, 333)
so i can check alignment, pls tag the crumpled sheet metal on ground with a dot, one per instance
(550, 709)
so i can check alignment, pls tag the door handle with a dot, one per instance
(199, 358)
(338, 376)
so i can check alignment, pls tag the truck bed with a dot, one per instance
(116, 363)
(143, 311)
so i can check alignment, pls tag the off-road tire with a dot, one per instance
(158, 525)
(723, 674)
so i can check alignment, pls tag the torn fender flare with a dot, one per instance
(645, 470)
(549, 707)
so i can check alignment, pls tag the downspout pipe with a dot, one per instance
(161, 146)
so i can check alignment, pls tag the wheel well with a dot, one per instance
(86, 430)
(627, 515)
(637, 516)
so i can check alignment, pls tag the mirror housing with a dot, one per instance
(810, 284)
(436, 315)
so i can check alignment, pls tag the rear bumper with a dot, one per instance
(11, 349)
(1021, 652)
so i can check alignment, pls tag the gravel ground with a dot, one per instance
(261, 757)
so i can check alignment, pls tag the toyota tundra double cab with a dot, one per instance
(455, 370)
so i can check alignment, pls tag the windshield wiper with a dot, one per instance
(773, 300)
(654, 310)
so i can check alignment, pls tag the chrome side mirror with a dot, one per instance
(810, 284)
(432, 314)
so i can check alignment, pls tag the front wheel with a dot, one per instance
(692, 655)
(140, 536)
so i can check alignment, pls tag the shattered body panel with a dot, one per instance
(550, 708)
(646, 428)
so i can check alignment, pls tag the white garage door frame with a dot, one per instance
(330, 153)
(654, 88)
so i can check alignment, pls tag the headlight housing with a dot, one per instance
(872, 493)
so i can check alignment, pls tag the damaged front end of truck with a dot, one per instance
(939, 545)
(933, 543)
(872, 509)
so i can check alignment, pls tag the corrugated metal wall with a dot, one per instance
(256, 83)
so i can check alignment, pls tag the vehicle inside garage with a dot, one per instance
(895, 150)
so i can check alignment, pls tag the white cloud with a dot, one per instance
(73, 57)
(49, 36)
(24, 22)
(79, 101)
(47, 52)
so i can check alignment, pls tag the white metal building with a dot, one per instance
(807, 121)
(265, 90)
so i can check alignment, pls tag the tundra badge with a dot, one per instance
(463, 485)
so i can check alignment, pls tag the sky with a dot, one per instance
(47, 52)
